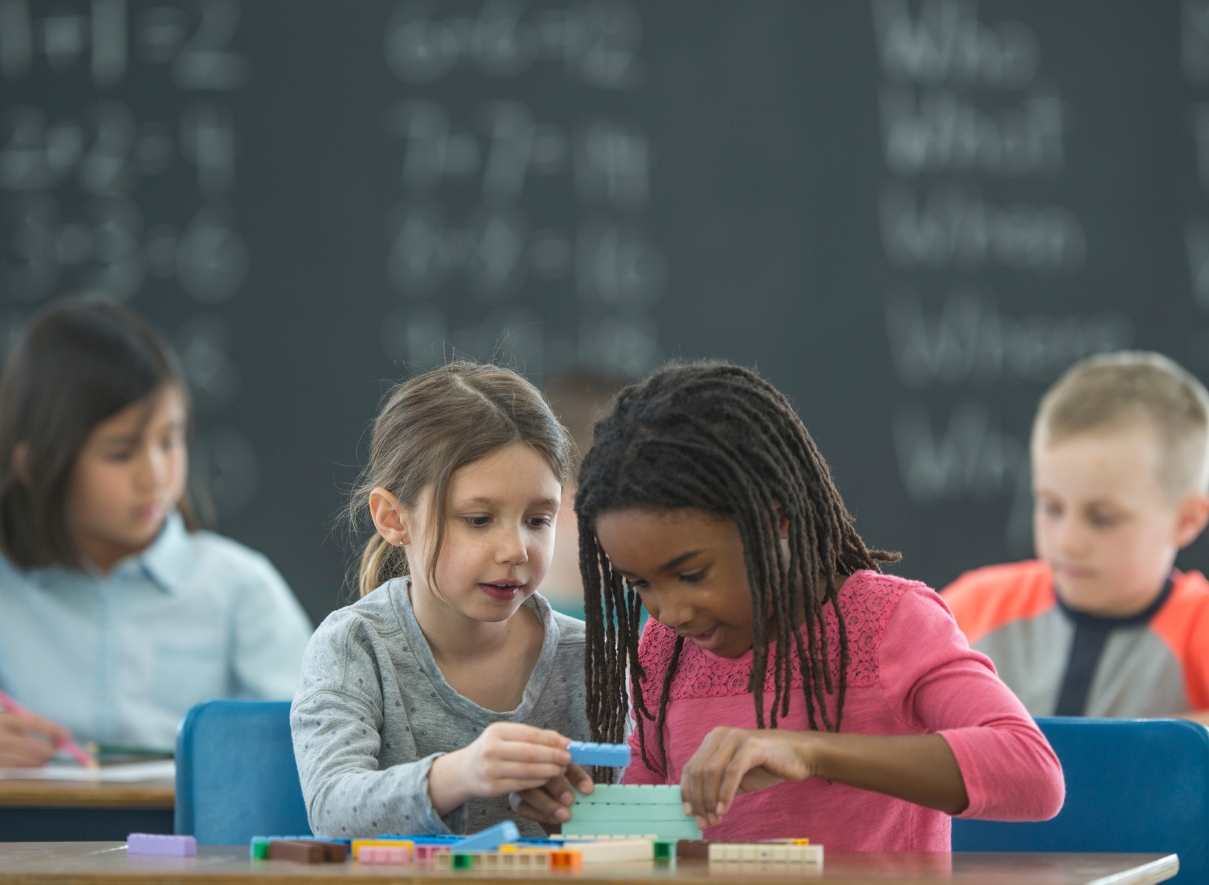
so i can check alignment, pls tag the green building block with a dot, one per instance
(665, 849)
(462, 861)
(260, 849)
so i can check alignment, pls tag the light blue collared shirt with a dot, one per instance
(119, 658)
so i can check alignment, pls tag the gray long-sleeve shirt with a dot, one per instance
(373, 711)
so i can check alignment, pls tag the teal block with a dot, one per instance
(623, 810)
(628, 794)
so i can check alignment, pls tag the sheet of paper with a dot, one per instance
(115, 774)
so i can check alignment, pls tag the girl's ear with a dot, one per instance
(390, 517)
(20, 464)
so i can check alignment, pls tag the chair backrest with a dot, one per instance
(1131, 785)
(235, 773)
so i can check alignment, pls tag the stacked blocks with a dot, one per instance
(587, 753)
(163, 846)
(624, 810)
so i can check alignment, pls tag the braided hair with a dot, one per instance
(718, 438)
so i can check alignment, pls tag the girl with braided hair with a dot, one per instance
(788, 686)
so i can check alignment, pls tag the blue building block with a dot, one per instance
(586, 753)
(489, 839)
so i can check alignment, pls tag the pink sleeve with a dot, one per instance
(934, 682)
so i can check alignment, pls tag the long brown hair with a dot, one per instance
(717, 438)
(77, 364)
(435, 423)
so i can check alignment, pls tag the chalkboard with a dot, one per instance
(911, 216)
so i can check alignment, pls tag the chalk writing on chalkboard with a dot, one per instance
(117, 166)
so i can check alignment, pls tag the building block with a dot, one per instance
(164, 846)
(488, 839)
(307, 851)
(587, 753)
(427, 852)
(259, 847)
(665, 849)
(383, 854)
(625, 810)
(764, 852)
(401, 844)
(692, 849)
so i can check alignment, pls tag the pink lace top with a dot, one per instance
(910, 671)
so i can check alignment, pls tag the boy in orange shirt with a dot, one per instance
(1101, 624)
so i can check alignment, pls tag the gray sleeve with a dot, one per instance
(337, 719)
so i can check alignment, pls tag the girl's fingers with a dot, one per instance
(528, 734)
(547, 807)
(32, 724)
(578, 778)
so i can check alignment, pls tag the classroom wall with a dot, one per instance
(911, 216)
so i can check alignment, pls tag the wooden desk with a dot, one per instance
(44, 811)
(91, 863)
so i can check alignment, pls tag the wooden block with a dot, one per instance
(692, 849)
(299, 852)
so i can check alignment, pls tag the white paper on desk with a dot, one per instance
(126, 773)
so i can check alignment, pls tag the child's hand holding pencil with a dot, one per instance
(29, 741)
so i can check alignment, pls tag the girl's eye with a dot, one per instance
(1102, 520)
(693, 577)
(119, 456)
(541, 522)
(638, 586)
(477, 521)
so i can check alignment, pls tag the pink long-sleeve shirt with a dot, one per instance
(911, 671)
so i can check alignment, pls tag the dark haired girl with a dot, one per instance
(117, 614)
(788, 686)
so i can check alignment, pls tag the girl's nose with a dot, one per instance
(512, 548)
(673, 610)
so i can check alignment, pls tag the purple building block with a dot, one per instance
(164, 846)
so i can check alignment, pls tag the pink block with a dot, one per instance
(164, 846)
(383, 855)
(426, 853)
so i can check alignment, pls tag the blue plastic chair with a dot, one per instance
(235, 773)
(1131, 785)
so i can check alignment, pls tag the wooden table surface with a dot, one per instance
(85, 794)
(101, 863)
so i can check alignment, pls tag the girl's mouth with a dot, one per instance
(706, 641)
(505, 591)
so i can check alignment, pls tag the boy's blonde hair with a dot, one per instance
(1116, 391)
(435, 423)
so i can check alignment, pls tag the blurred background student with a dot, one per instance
(579, 398)
(118, 613)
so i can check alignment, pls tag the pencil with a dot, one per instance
(67, 745)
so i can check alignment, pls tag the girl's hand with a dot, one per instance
(550, 803)
(28, 741)
(507, 757)
(919, 768)
(736, 760)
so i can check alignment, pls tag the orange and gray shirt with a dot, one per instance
(1062, 662)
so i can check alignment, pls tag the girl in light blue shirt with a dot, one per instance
(118, 613)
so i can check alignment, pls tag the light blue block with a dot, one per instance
(587, 753)
(488, 839)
